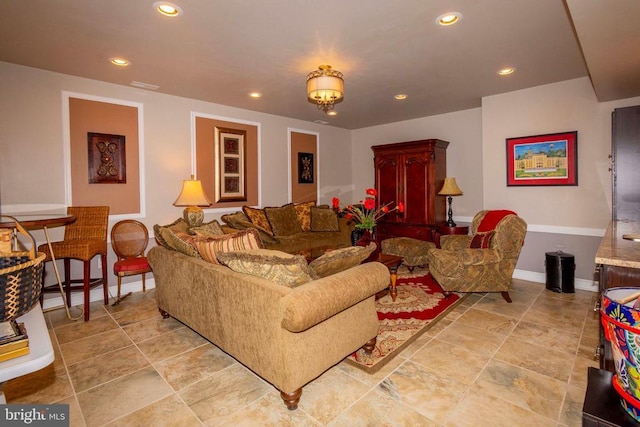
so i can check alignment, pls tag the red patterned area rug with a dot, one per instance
(419, 305)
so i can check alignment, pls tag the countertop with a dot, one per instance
(614, 250)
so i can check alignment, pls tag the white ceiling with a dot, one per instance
(219, 51)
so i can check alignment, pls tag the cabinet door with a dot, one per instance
(626, 152)
(415, 183)
(386, 168)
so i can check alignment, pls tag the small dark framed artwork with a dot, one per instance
(550, 159)
(230, 152)
(107, 158)
(305, 168)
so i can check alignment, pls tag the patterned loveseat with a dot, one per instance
(483, 261)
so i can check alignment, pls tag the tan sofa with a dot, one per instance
(287, 336)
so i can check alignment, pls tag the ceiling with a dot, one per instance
(219, 51)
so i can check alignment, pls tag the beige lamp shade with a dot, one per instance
(450, 188)
(192, 196)
(325, 87)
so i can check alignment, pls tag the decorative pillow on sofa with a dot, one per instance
(481, 240)
(179, 225)
(178, 241)
(342, 259)
(240, 221)
(283, 220)
(212, 247)
(212, 228)
(258, 218)
(323, 219)
(276, 266)
(303, 212)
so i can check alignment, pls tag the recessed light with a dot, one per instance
(167, 9)
(506, 71)
(449, 18)
(255, 94)
(401, 96)
(120, 62)
(332, 113)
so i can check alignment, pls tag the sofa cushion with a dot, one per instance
(341, 259)
(481, 240)
(258, 218)
(178, 241)
(283, 220)
(240, 221)
(210, 248)
(276, 266)
(303, 212)
(323, 219)
(179, 225)
(212, 228)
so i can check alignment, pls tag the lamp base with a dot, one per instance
(193, 215)
(450, 222)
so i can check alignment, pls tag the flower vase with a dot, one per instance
(366, 238)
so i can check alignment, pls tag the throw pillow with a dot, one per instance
(212, 228)
(283, 220)
(178, 241)
(276, 266)
(240, 221)
(211, 247)
(481, 240)
(303, 212)
(179, 225)
(258, 218)
(323, 219)
(338, 260)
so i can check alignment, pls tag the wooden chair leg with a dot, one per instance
(86, 288)
(506, 296)
(67, 280)
(291, 399)
(144, 287)
(105, 280)
(119, 284)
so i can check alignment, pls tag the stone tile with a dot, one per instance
(269, 410)
(492, 304)
(487, 321)
(328, 395)
(541, 359)
(580, 369)
(224, 393)
(555, 318)
(193, 365)
(47, 385)
(547, 336)
(527, 389)
(134, 301)
(146, 309)
(151, 328)
(79, 330)
(571, 414)
(94, 345)
(451, 361)
(371, 379)
(474, 339)
(106, 367)
(481, 409)
(123, 395)
(58, 317)
(426, 392)
(167, 412)
(379, 409)
(170, 344)
(75, 413)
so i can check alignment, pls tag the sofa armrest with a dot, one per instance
(316, 301)
(454, 242)
(451, 260)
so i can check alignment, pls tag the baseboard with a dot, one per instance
(532, 276)
(52, 301)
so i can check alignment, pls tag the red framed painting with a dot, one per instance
(550, 159)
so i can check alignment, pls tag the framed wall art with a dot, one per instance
(305, 168)
(230, 177)
(107, 158)
(550, 159)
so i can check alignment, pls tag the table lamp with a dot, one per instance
(192, 196)
(450, 189)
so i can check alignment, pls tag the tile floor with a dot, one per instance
(488, 363)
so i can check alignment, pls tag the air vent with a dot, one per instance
(145, 85)
(321, 122)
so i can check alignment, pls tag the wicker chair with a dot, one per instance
(483, 261)
(129, 239)
(83, 240)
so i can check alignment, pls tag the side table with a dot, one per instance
(445, 230)
(602, 406)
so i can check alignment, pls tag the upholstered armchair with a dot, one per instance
(483, 261)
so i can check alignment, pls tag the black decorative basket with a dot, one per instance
(20, 278)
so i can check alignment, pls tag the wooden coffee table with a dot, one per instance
(392, 262)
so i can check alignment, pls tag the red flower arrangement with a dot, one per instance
(367, 216)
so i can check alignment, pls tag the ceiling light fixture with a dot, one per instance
(401, 96)
(120, 62)
(255, 94)
(325, 87)
(506, 71)
(449, 18)
(167, 9)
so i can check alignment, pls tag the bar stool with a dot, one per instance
(83, 240)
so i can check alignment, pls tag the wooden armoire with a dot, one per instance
(412, 173)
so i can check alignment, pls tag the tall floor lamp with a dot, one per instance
(450, 189)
